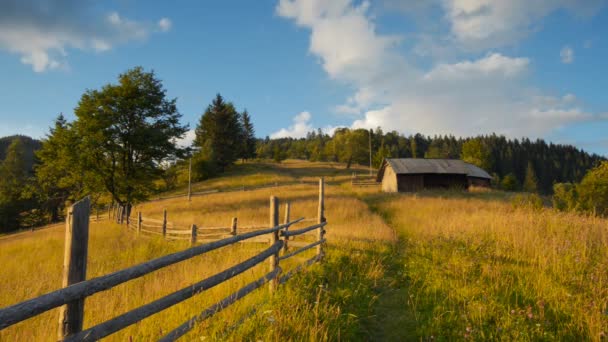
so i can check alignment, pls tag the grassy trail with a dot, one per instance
(393, 320)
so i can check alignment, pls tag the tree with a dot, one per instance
(60, 174)
(474, 151)
(565, 196)
(218, 133)
(509, 183)
(248, 139)
(13, 180)
(593, 190)
(530, 181)
(125, 131)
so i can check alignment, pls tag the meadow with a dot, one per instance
(430, 266)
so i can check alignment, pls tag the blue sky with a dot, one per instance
(462, 67)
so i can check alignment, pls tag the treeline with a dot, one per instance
(515, 163)
(122, 144)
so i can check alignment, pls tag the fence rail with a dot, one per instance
(76, 288)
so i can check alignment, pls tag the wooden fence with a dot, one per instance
(362, 181)
(71, 297)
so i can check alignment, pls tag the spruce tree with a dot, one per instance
(218, 134)
(530, 181)
(248, 139)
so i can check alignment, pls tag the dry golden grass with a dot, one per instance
(484, 270)
(33, 265)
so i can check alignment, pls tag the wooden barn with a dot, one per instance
(409, 174)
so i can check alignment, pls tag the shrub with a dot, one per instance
(565, 196)
(531, 201)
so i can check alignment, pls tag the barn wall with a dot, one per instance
(445, 181)
(389, 180)
(475, 181)
(410, 183)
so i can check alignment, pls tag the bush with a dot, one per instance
(593, 191)
(509, 183)
(530, 201)
(565, 196)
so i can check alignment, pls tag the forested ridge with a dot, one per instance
(122, 147)
(501, 157)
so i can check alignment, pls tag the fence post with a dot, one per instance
(193, 237)
(71, 315)
(139, 221)
(321, 217)
(274, 237)
(96, 214)
(287, 209)
(164, 222)
(233, 227)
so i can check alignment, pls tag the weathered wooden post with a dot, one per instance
(97, 214)
(71, 315)
(287, 209)
(164, 222)
(321, 217)
(193, 236)
(109, 212)
(274, 237)
(190, 180)
(139, 221)
(233, 227)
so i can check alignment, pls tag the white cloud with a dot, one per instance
(42, 34)
(165, 24)
(187, 139)
(491, 23)
(567, 55)
(493, 65)
(468, 97)
(301, 126)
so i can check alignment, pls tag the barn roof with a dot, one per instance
(437, 166)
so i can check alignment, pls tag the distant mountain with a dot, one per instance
(31, 145)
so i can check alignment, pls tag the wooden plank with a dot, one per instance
(179, 231)
(71, 315)
(120, 322)
(219, 306)
(303, 230)
(32, 307)
(305, 248)
(151, 232)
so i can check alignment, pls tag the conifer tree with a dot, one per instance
(530, 182)
(13, 179)
(219, 133)
(248, 139)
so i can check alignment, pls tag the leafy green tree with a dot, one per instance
(593, 190)
(474, 151)
(248, 139)
(218, 134)
(530, 182)
(13, 180)
(125, 131)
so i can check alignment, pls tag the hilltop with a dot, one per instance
(433, 265)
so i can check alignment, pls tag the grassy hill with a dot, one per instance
(431, 266)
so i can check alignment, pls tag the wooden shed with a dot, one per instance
(409, 174)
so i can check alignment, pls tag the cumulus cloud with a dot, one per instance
(42, 32)
(187, 139)
(567, 55)
(301, 126)
(490, 23)
(165, 24)
(473, 96)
